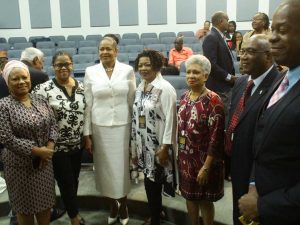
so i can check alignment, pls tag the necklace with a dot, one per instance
(109, 69)
(195, 97)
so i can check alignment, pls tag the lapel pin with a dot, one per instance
(260, 92)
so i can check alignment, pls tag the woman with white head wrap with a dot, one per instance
(28, 131)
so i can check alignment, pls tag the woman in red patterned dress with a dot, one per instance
(200, 138)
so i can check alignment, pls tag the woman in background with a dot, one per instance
(109, 91)
(200, 143)
(28, 131)
(66, 97)
(154, 132)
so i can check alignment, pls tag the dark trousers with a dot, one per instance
(153, 191)
(66, 172)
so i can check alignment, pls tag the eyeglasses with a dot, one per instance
(61, 65)
(250, 51)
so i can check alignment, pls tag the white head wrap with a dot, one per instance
(10, 66)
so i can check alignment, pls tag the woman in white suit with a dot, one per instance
(109, 92)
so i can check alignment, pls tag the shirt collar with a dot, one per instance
(221, 33)
(260, 78)
(293, 76)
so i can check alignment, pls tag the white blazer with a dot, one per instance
(108, 101)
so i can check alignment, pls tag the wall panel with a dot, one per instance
(186, 11)
(157, 12)
(40, 13)
(128, 12)
(70, 13)
(213, 6)
(246, 9)
(10, 14)
(99, 13)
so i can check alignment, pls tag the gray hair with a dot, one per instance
(30, 53)
(201, 60)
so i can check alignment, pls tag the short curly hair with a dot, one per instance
(156, 59)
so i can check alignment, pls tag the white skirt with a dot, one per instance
(111, 160)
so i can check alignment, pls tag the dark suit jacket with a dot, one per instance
(242, 151)
(37, 76)
(215, 49)
(3, 88)
(277, 160)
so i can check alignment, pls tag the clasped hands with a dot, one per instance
(248, 205)
(45, 153)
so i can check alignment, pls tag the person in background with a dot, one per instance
(222, 75)
(201, 33)
(230, 34)
(153, 137)
(237, 44)
(28, 131)
(200, 143)
(66, 97)
(3, 86)
(179, 54)
(109, 92)
(260, 25)
(34, 59)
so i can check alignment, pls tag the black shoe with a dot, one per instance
(56, 213)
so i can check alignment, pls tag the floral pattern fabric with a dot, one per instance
(69, 112)
(201, 122)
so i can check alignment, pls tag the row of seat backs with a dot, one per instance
(98, 37)
(197, 48)
(92, 43)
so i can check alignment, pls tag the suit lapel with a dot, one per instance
(279, 107)
(260, 92)
(221, 40)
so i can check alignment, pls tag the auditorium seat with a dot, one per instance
(71, 51)
(13, 40)
(57, 38)
(16, 54)
(87, 43)
(168, 40)
(94, 37)
(186, 33)
(148, 41)
(134, 48)
(197, 48)
(179, 83)
(31, 38)
(66, 44)
(182, 69)
(190, 40)
(22, 46)
(4, 46)
(123, 57)
(45, 44)
(84, 58)
(47, 61)
(48, 51)
(88, 50)
(129, 41)
(148, 35)
(3, 40)
(166, 34)
(130, 36)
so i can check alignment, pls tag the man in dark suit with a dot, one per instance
(3, 87)
(276, 199)
(257, 61)
(222, 75)
(221, 78)
(34, 59)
